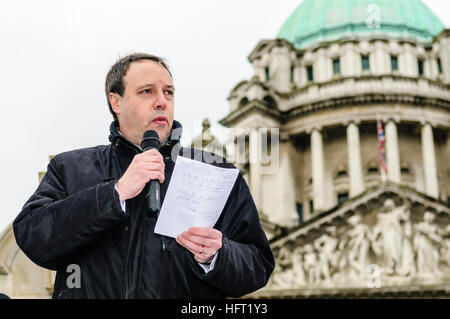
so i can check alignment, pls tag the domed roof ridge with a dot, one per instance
(316, 21)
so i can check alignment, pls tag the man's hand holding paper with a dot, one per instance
(196, 196)
(202, 242)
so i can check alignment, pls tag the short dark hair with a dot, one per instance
(114, 78)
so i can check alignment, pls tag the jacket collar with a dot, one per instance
(116, 138)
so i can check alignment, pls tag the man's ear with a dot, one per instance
(114, 100)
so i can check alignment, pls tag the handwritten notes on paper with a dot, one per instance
(196, 196)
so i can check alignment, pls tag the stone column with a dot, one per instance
(318, 173)
(283, 185)
(354, 160)
(429, 161)
(444, 44)
(392, 152)
(380, 59)
(321, 69)
(280, 69)
(255, 169)
(408, 61)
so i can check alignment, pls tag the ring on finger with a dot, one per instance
(203, 250)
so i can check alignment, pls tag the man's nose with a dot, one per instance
(161, 101)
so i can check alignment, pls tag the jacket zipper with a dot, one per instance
(163, 241)
(128, 228)
(163, 238)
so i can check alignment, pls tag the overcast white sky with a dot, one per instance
(55, 55)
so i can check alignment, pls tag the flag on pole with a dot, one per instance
(381, 141)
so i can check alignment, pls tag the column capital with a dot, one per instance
(424, 122)
(347, 122)
(310, 129)
(391, 118)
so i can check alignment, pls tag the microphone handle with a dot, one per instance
(154, 198)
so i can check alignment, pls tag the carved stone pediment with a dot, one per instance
(390, 238)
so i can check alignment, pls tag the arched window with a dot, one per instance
(405, 170)
(372, 170)
(244, 101)
(341, 173)
(269, 102)
(342, 197)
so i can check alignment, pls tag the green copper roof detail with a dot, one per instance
(316, 21)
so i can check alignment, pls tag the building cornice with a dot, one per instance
(361, 78)
(267, 45)
(254, 106)
(284, 117)
(444, 34)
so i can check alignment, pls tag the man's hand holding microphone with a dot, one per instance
(149, 166)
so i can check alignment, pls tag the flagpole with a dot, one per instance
(381, 153)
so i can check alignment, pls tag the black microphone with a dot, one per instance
(151, 140)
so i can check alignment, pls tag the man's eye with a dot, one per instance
(146, 91)
(169, 92)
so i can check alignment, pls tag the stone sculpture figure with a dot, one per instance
(310, 263)
(445, 250)
(298, 271)
(358, 257)
(426, 241)
(328, 255)
(407, 265)
(388, 230)
(281, 277)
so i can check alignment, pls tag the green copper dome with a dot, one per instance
(317, 21)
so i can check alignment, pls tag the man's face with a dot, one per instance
(147, 102)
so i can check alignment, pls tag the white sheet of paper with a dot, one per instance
(196, 196)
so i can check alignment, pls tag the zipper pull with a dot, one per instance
(163, 241)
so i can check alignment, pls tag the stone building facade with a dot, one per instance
(19, 276)
(338, 220)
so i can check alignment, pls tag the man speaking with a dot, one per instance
(91, 208)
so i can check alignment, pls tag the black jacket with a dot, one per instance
(74, 217)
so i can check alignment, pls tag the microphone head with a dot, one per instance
(150, 140)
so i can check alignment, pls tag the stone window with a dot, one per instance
(342, 197)
(267, 73)
(311, 206)
(341, 173)
(420, 66)
(309, 73)
(405, 170)
(269, 102)
(372, 170)
(336, 66)
(300, 212)
(244, 101)
(394, 63)
(439, 65)
(365, 63)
